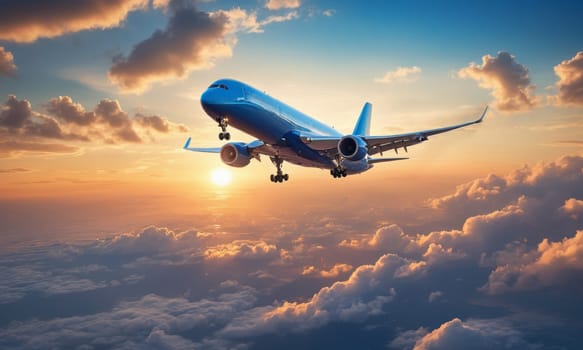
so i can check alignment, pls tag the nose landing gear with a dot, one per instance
(223, 123)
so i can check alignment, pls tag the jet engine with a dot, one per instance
(235, 154)
(352, 147)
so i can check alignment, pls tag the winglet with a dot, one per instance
(187, 143)
(362, 127)
(482, 116)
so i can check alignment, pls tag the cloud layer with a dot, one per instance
(508, 80)
(507, 275)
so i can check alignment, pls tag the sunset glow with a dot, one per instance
(221, 177)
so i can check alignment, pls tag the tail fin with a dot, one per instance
(362, 127)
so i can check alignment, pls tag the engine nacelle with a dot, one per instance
(352, 147)
(235, 154)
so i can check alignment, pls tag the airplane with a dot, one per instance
(286, 134)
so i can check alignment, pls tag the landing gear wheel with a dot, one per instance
(223, 123)
(280, 176)
(338, 173)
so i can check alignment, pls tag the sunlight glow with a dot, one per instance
(221, 177)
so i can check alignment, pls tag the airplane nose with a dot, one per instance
(210, 102)
(206, 98)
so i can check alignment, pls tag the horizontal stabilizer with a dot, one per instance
(380, 160)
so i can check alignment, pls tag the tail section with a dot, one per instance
(362, 127)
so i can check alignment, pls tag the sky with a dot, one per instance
(114, 237)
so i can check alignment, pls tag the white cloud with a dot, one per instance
(244, 249)
(399, 74)
(281, 4)
(151, 320)
(553, 264)
(475, 334)
(362, 295)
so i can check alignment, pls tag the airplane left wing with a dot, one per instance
(200, 149)
(255, 148)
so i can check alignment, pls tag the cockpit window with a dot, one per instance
(222, 86)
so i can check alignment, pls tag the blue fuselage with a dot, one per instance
(268, 119)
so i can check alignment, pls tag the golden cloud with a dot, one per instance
(27, 21)
(570, 84)
(507, 79)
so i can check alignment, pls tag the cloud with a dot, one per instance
(159, 124)
(192, 40)
(239, 20)
(242, 249)
(399, 74)
(69, 121)
(14, 170)
(15, 148)
(7, 66)
(27, 21)
(149, 322)
(68, 111)
(387, 238)
(18, 119)
(558, 179)
(553, 264)
(481, 334)
(570, 84)
(329, 12)
(281, 4)
(335, 271)
(148, 241)
(573, 208)
(434, 296)
(507, 79)
(362, 295)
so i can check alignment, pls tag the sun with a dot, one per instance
(221, 177)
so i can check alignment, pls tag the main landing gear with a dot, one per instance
(280, 176)
(224, 135)
(338, 172)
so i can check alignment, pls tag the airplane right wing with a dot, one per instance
(379, 144)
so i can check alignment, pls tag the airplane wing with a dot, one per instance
(200, 149)
(255, 148)
(379, 144)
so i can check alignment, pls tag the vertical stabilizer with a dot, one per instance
(362, 127)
